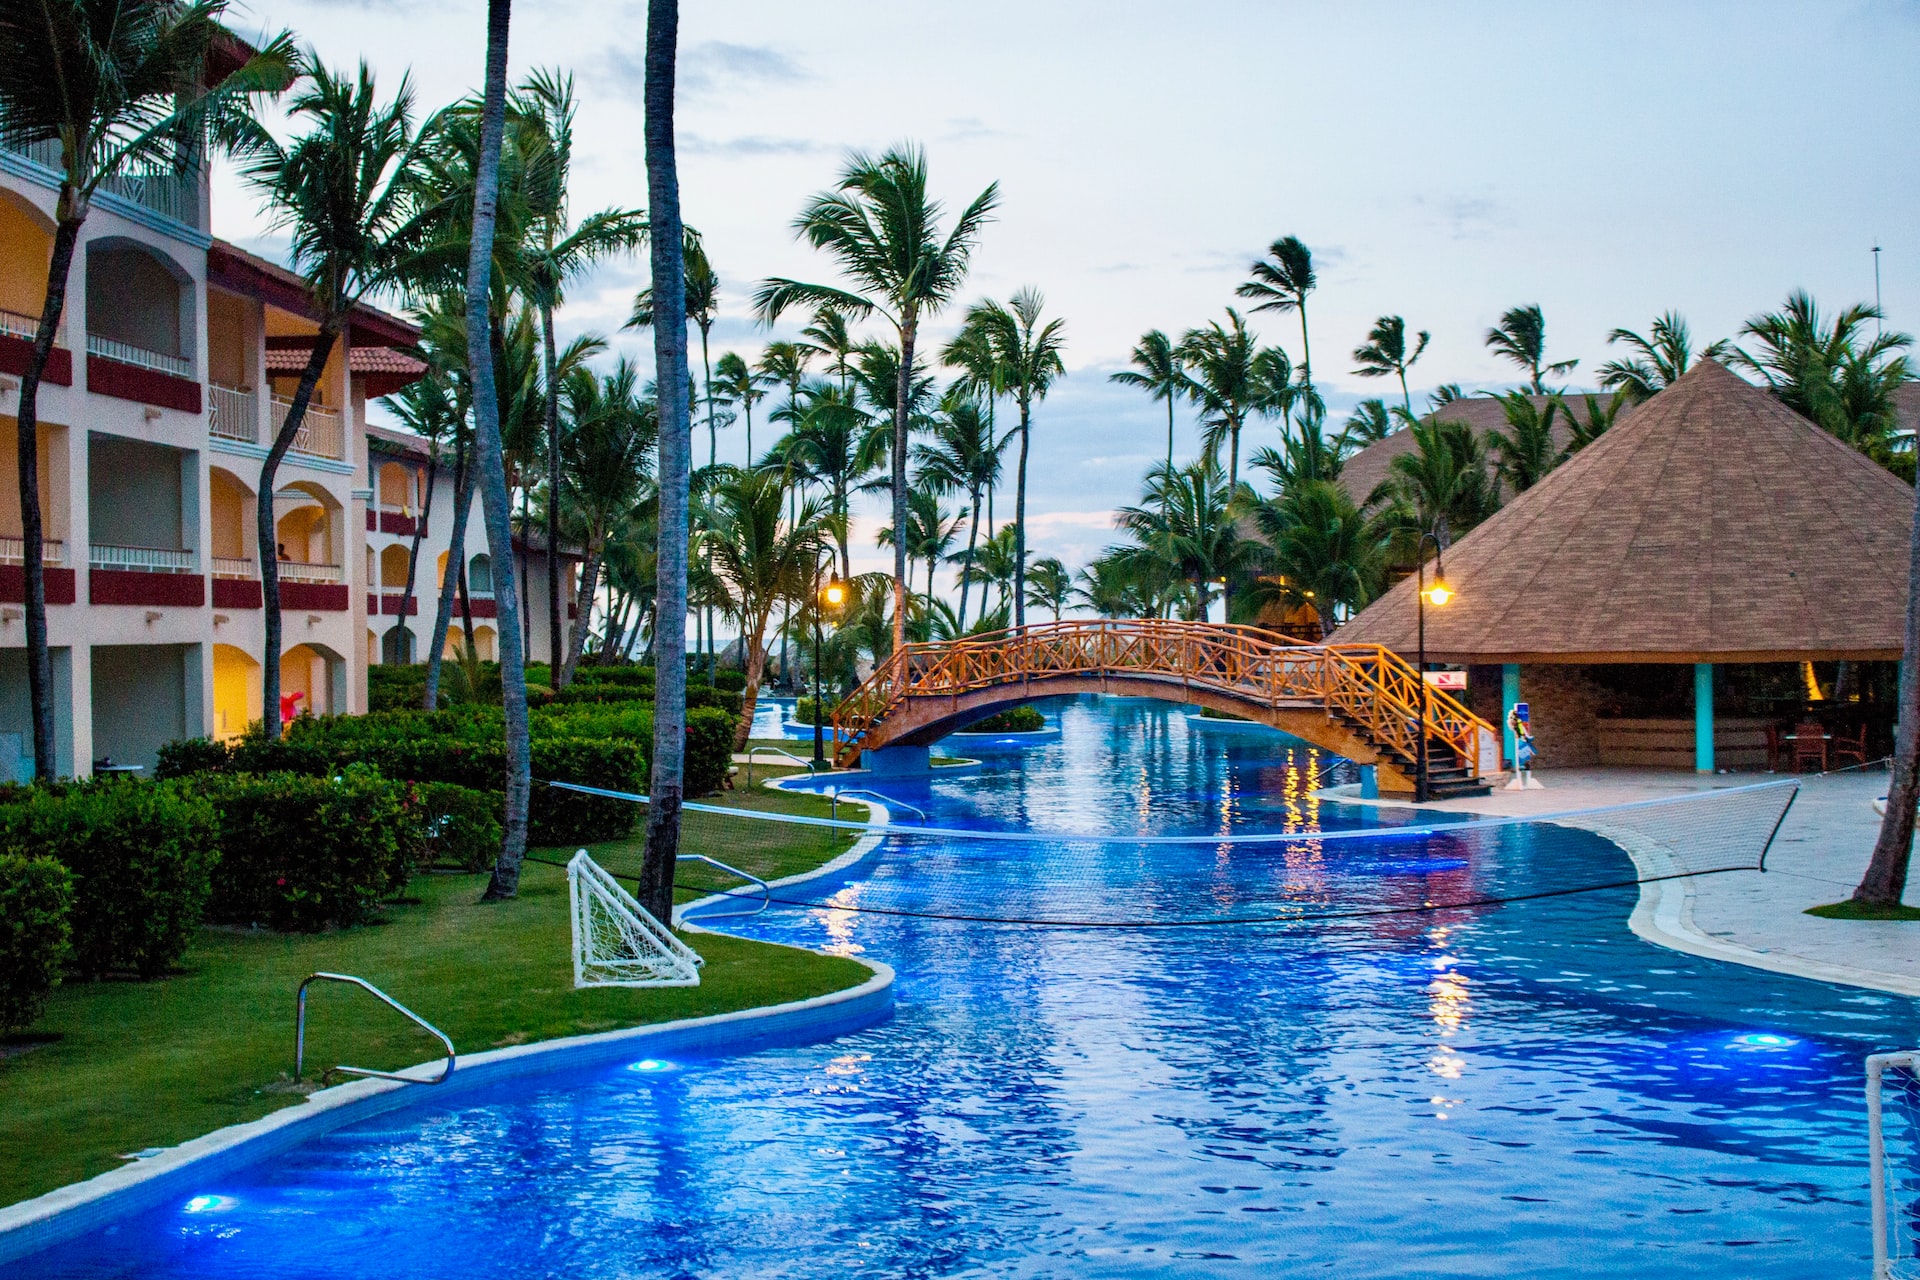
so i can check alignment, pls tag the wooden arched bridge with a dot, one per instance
(1359, 701)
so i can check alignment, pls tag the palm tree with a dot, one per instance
(558, 252)
(1156, 371)
(1220, 377)
(737, 383)
(1440, 487)
(430, 408)
(881, 227)
(1324, 552)
(1281, 281)
(1049, 586)
(670, 389)
(1524, 450)
(443, 347)
(1385, 352)
(703, 308)
(1184, 521)
(835, 445)
(931, 532)
(606, 451)
(1026, 354)
(347, 189)
(1304, 455)
(1831, 372)
(1521, 338)
(1600, 417)
(1658, 359)
(784, 364)
(1370, 422)
(829, 336)
(962, 455)
(993, 563)
(103, 80)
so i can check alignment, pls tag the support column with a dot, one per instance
(1509, 695)
(1703, 717)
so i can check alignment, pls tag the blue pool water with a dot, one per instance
(1524, 1090)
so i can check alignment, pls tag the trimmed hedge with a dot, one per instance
(36, 899)
(460, 826)
(300, 853)
(803, 711)
(1012, 720)
(140, 855)
(730, 681)
(396, 686)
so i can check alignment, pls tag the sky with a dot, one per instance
(1444, 161)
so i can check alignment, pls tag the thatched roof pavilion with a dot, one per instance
(1712, 525)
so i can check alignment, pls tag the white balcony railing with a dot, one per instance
(127, 353)
(15, 325)
(320, 433)
(14, 551)
(102, 555)
(296, 571)
(233, 414)
(233, 567)
(174, 195)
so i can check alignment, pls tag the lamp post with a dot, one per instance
(826, 597)
(1439, 593)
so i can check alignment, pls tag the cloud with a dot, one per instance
(1467, 217)
(971, 129)
(751, 145)
(716, 65)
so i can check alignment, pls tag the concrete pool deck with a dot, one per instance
(1748, 917)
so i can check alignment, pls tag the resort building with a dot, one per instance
(169, 379)
(1709, 575)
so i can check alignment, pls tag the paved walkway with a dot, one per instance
(1753, 918)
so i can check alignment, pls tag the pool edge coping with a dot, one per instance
(54, 1217)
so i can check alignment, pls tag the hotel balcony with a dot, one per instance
(17, 332)
(53, 559)
(322, 432)
(144, 575)
(233, 413)
(173, 194)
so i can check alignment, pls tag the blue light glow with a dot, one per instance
(650, 1064)
(1763, 1040)
(209, 1204)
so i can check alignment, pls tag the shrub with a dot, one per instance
(637, 676)
(36, 896)
(578, 694)
(730, 681)
(460, 826)
(193, 755)
(396, 686)
(709, 749)
(139, 853)
(300, 853)
(1012, 720)
(804, 711)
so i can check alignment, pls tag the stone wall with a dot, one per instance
(1564, 704)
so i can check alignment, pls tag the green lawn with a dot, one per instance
(140, 1065)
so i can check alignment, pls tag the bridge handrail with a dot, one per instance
(1368, 684)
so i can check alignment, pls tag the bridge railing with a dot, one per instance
(1367, 685)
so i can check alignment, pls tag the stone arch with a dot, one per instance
(26, 247)
(480, 575)
(231, 511)
(393, 568)
(396, 646)
(139, 297)
(318, 675)
(308, 528)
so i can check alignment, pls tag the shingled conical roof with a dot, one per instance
(1714, 524)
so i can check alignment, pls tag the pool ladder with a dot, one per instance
(300, 1031)
(889, 801)
(766, 895)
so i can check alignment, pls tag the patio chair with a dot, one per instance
(1809, 745)
(1850, 746)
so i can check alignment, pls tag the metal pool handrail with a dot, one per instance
(889, 801)
(766, 895)
(300, 1030)
(812, 766)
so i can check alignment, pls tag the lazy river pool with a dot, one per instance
(1523, 1090)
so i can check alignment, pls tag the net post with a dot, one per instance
(1779, 822)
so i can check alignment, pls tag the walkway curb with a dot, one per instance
(62, 1214)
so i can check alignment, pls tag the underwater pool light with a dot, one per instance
(208, 1204)
(650, 1064)
(1763, 1040)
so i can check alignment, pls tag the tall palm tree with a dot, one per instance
(606, 452)
(431, 409)
(1156, 371)
(931, 532)
(881, 227)
(785, 364)
(962, 455)
(1220, 376)
(1049, 586)
(1441, 486)
(103, 80)
(1600, 417)
(1183, 520)
(1324, 552)
(1524, 449)
(559, 251)
(764, 560)
(443, 347)
(489, 458)
(703, 308)
(1831, 371)
(1027, 355)
(737, 383)
(670, 389)
(1657, 359)
(1281, 281)
(1521, 338)
(1370, 422)
(347, 189)
(994, 564)
(1385, 352)
(828, 336)
(835, 445)
(1305, 455)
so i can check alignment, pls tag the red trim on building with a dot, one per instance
(316, 597)
(230, 267)
(133, 586)
(373, 521)
(13, 584)
(481, 608)
(17, 353)
(147, 386)
(395, 522)
(390, 605)
(238, 593)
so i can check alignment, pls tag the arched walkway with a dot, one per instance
(236, 691)
(318, 675)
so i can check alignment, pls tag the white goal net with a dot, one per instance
(616, 941)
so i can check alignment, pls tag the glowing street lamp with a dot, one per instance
(1437, 594)
(830, 596)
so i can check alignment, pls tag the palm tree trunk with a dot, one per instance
(589, 581)
(32, 534)
(454, 575)
(1885, 882)
(1306, 353)
(670, 377)
(754, 659)
(490, 461)
(903, 389)
(1020, 521)
(840, 532)
(263, 523)
(419, 532)
(966, 569)
(552, 361)
(1169, 431)
(1406, 397)
(526, 536)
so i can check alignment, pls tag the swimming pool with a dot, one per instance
(1528, 1090)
